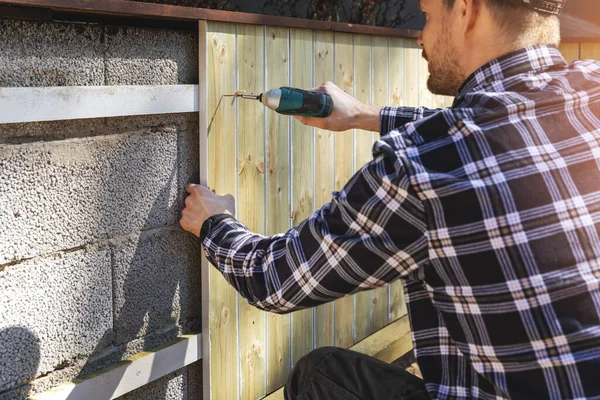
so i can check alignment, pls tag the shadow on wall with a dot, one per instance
(21, 358)
(152, 271)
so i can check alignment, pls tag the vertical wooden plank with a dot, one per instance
(302, 174)
(344, 168)
(324, 175)
(223, 319)
(364, 144)
(570, 51)
(251, 198)
(203, 164)
(590, 51)
(380, 90)
(278, 197)
(411, 68)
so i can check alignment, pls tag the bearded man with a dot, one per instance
(489, 211)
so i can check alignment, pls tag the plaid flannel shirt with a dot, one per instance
(490, 212)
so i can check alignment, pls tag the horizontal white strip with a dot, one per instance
(30, 104)
(131, 373)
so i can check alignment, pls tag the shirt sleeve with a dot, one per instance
(371, 234)
(395, 117)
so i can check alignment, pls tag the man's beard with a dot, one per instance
(445, 76)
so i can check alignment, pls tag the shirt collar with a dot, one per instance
(526, 60)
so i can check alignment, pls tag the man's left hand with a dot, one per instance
(202, 204)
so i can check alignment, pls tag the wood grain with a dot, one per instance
(223, 350)
(278, 212)
(590, 51)
(324, 175)
(251, 198)
(344, 169)
(570, 51)
(302, 175)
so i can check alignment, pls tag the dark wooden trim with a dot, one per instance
(27, 13)
(123, 8)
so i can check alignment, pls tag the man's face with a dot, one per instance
(440, 49)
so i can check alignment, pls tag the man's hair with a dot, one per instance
(523, 25)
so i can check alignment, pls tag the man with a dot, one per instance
(488, 210)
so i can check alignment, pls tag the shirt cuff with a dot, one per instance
(214, 238)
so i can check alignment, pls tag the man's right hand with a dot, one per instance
(348, 113)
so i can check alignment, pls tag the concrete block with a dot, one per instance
(183, 384)
(63, 194)
(53, 310)
(136, 56)
(50, 54)
(156, 283)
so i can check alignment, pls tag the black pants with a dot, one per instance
(331, 373)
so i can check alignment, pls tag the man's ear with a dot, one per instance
(470, 12)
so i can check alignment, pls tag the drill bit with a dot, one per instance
(244, 95)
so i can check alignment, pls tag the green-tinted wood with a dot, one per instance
(302, 175)
(590, 51)
(278, 197)
(364, 144)
(381, 88)
(344, 168)
(570, 51)
(324, 175)
(222, 171)
(251, 198)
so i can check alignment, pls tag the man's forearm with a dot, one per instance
(369, 118)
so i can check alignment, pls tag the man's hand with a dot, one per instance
(202, 204)
(348, 113)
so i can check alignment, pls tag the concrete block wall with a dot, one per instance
(93, 264)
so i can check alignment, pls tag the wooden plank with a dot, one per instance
(570, 51)
(205, 266)
(30, 104)
(411, 68)
(590, 51)
(363, 145)
(131, 373)
(398, 97)
(251, 198)
(344, 168)
(278, 214)
(388, 344)
(324, 175)
(380, 90)
(223, 319)
(302, 175)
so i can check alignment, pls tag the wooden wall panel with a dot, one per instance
(570, 51)
(278, 197)
(590, 51)
(251, 198)
(302, 174)
(222, 173)
(281, 172)
(344, 168)
(324, 174)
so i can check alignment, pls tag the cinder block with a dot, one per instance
(136, 56)
(53, 311)
(63, 194)
(157, 283)
(180, 385)
(50, 54)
